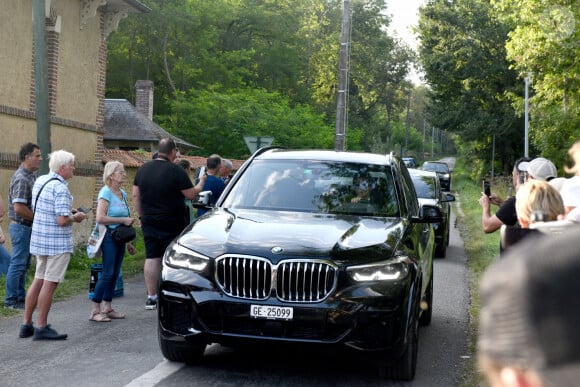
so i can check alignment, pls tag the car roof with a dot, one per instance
(420, 172)
(435, 162)
(326, 155)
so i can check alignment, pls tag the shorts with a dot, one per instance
(52, 267)
(156, 241)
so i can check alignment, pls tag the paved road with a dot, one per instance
(125, 352)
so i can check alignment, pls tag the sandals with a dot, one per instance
(113, 314)
(99, 317)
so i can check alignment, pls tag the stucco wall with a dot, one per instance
(15, 53)
(78, 65)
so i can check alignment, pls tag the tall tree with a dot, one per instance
(544, 45)
(462, 49)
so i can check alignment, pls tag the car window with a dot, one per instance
(316, 186)
(437, 167)
(409, 192)
(425, 186)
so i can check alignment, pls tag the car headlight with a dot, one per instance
(382, 271)
(183, 257)
(446, 176)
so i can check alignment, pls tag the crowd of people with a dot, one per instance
(530, 309)
(42, 215)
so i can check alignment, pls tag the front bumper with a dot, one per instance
(367, 317)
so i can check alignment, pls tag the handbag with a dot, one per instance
(123, 234)
(95, 241)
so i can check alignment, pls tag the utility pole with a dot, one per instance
(423, 151)
(526, 120)
(342, 80)
(408, 123)
(432, 139)
(41, 83)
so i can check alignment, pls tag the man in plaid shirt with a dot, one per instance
(51, 242)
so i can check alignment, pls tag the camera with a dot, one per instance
(486, 188)
(83, 209)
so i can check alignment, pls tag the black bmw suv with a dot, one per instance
(315, 247)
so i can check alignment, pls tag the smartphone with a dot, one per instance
(84, 210)
(486, 188)
(201, 172)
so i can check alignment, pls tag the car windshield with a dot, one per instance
(316, 186)
(437, 167)
(425, 186)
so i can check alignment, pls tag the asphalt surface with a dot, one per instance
(95, 354)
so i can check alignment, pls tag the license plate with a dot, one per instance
(271, 312)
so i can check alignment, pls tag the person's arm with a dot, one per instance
(191, 192)
(489, 223)
(23, 211)
(64, 221)
(137, 200)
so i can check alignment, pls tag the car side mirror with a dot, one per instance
(202, 200)
(448, 197)
(429, 214)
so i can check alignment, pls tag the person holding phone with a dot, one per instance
(506, 214)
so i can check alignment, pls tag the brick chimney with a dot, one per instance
(144, 98)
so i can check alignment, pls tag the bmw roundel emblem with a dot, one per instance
(277, 250)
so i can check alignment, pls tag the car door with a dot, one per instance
(424, 231)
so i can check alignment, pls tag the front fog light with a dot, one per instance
(179, 256)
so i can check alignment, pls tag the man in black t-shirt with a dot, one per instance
(506, 214)
(159, 189)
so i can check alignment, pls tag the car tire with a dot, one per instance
(441, 250)
(405, 366)
(189, 353)
(427, 314)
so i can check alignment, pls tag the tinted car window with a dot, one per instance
(437, 167)
(425, 186)
(409, 192)
(316, 186)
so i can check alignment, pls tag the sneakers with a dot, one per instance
(151, 304)
(17, 306)
(47, 333)
(26, 330)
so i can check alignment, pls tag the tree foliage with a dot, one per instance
(543, 45)
(227, 68)
(463, 54)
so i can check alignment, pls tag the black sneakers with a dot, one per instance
(47, 333)
(151, 304)
(26, 330)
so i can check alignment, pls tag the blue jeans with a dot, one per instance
(4, 261)
(19, 263)
(113, 254)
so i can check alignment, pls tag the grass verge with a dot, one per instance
(481, 249)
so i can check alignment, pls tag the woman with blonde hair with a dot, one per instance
(536, 201)
(112, 211)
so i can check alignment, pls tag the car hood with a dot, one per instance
(280, 234)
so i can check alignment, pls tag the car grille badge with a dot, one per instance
(277, 250)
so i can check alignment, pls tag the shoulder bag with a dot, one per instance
(122, 233)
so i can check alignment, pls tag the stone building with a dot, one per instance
(76, 42)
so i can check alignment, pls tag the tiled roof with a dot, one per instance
(123, 122)
(134, 159)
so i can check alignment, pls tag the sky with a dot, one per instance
(405, 15)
